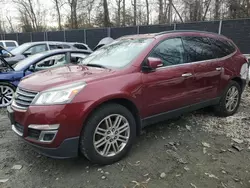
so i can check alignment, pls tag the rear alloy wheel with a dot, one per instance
(7, 92)
(108, 134)
(230, 100)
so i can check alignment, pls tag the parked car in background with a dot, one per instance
(31, 48)
(4, 53)
(248, 57)
(80, 46)
(10, 76)
(99, 106)
(8, 44)
(103, 42)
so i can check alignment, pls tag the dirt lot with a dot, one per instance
(196, 151)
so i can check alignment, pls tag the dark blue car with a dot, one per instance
(10, 76)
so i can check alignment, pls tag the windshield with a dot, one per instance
(117, 54)
(25, 62)
(20, 49)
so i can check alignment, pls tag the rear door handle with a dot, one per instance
(187, 75)
(219, 68)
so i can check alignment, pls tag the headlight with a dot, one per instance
(59, 95)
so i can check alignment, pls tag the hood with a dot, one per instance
(43, 80)
(103, 42)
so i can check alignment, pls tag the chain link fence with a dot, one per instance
(237, 30)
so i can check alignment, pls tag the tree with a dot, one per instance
(30, 15)
(134, 4)
(147, 8)
(106, 20)
(89, 6)
(207, 4)
(73, 13)
(161, 15)
(217, 9)
(118, 19)
(12, 30)
(58, 4)
(123, 13)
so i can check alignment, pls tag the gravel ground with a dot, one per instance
(197, 150)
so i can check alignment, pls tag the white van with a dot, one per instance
(8, 44)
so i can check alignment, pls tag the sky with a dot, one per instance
(9, 9)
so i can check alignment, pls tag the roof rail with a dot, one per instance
(178, 31)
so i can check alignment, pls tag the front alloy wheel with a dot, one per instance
(108, 134)
(6, 95)
(111, 135)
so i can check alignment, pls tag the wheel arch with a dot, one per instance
(122, 100)
(239, 81)
(7, 82)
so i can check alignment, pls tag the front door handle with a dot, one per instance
(187, 75)
(219, 68)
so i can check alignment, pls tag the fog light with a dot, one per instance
(47, 136)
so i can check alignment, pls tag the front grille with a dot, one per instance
(19, 127)
(23, 98)
(33, 133)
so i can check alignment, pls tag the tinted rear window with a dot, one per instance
(197, 49)
(221, 47)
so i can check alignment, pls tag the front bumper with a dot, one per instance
(66, 142)
(67, 149)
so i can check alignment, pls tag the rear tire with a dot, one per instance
(108, 134)
(7, 92)
(230, 100)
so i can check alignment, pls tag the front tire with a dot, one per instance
(230, 100)
(108, 134)
(7, 92)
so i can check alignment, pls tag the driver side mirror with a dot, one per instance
(32, 68)
(26, 54)
(152, 64)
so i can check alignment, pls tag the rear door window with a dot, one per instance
(37, 49)
(197, 49)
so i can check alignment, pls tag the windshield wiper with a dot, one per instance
(96, 65)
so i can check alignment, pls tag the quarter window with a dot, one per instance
(170, 51)
(198, 49)
(80, 46)
(55, 46)
(221, 47)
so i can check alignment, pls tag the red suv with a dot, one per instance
(99, 106)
